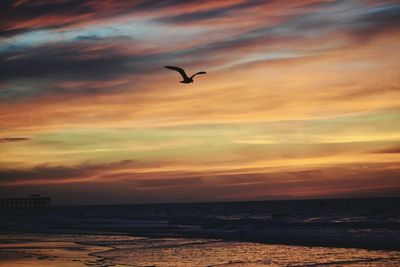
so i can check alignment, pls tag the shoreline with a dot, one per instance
(245, 237)
(100, 250)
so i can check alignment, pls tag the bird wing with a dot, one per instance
(181, 71)
(200, 72)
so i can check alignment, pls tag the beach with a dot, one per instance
(119, 250)
(22, 249)
(43, 253)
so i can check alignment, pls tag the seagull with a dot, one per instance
(186, 79)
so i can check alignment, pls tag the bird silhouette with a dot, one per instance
(186, 79)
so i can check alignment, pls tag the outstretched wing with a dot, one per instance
(200, 72)
(181, 71)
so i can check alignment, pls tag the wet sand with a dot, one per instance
(19, 249)
(50, 254)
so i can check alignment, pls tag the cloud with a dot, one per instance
(391, 150)
(216, 13)
(105, 183)
(59, 68)
(380, 20)
(24, 16)
(100, 63)
(13, 139)
(374, 91)
(96, 66)
(20, 16)
(63, 61)
(57, 174)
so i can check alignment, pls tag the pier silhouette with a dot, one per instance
(33, 201)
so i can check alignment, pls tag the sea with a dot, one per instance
(328, 232)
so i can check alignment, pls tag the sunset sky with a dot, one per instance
(301, 100)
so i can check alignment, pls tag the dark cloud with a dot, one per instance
(382, 20)
(52, 173)
(16, 14)
(156, 4)
(22, 16)
(371, 21)
(13, 139)
(212, 13)
(318, 5)
(40, 70)
(392, 150)
(62, 61)
(160, 183)
(197, 16)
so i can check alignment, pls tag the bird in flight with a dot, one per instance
(186, 79)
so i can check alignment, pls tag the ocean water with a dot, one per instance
(344, 223)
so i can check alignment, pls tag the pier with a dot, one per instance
(33, 201)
